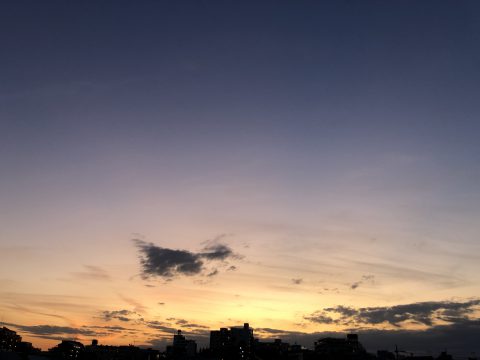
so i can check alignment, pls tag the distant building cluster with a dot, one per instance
(235, 343)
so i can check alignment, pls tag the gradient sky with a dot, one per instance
(332, 146)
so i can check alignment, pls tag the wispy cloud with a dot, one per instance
(363, 280)
(92, 273)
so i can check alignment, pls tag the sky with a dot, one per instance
(309, 167)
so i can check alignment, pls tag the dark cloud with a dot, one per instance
(163, 327)
(122, 315)
(216, 252)
(321, 318)
(165, 262)
(193, 329)
(168, 263)
(187, 324)
(57, 332)
(54, 330)
(425, 313)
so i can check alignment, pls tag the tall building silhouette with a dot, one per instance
(233, 343)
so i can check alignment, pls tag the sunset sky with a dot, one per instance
(304, 166)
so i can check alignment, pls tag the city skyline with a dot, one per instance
(241, 342)
(307, 167)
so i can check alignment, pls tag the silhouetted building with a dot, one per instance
(9, 339)
(68, 349)
(233, 343)
(219, 339)
(335, 348)
(182, 348)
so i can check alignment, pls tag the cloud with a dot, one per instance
(216, 252)
(169, 328)
(110, 328)
(212, 273)
(53, 330)
(57, 332)
(188, 324)
(326, 289)
(297, 281)
(168, 263)
(424, 313)
(159, 325)
(122, 315)
(165, 262)
(365, 279)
